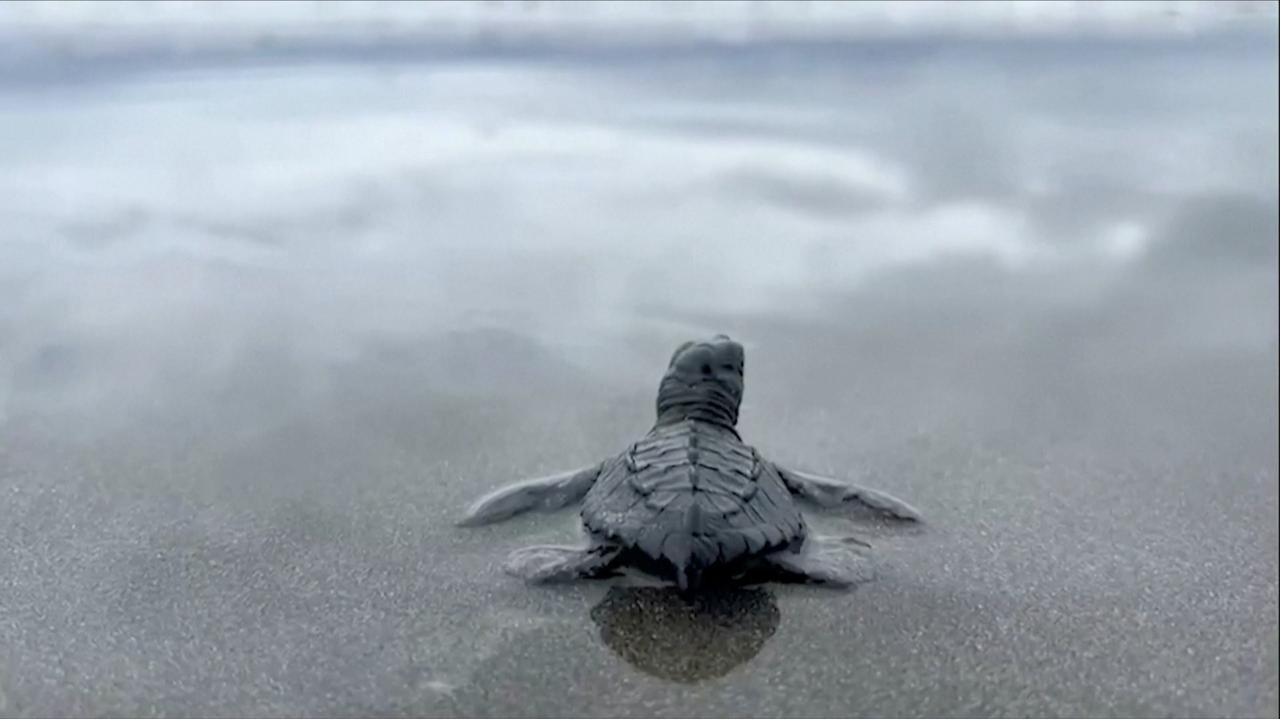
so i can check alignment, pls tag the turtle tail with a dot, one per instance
(687, 562)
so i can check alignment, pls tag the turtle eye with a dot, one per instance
(706, 369)
(731, 368)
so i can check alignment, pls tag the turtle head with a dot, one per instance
(703, 381)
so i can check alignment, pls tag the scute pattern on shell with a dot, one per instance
(694, 495)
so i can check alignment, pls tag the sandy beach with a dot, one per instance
(268, 327)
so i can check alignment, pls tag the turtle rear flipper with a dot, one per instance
(546, 493)
(830, 493)
(830, 561)
(546, 563)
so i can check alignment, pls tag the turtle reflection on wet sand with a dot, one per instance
(690, 501)
(686, 638)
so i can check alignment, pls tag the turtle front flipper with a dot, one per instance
(827, 492)
(546, 493)
(548, 563)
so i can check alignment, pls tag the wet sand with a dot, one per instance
(312, 569)
(238, 419)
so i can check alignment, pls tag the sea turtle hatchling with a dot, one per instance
(690, 501)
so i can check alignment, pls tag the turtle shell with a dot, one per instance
(691, 495)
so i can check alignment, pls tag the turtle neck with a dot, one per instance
(705, 401)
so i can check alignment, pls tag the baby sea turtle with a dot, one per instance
(690, 501)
